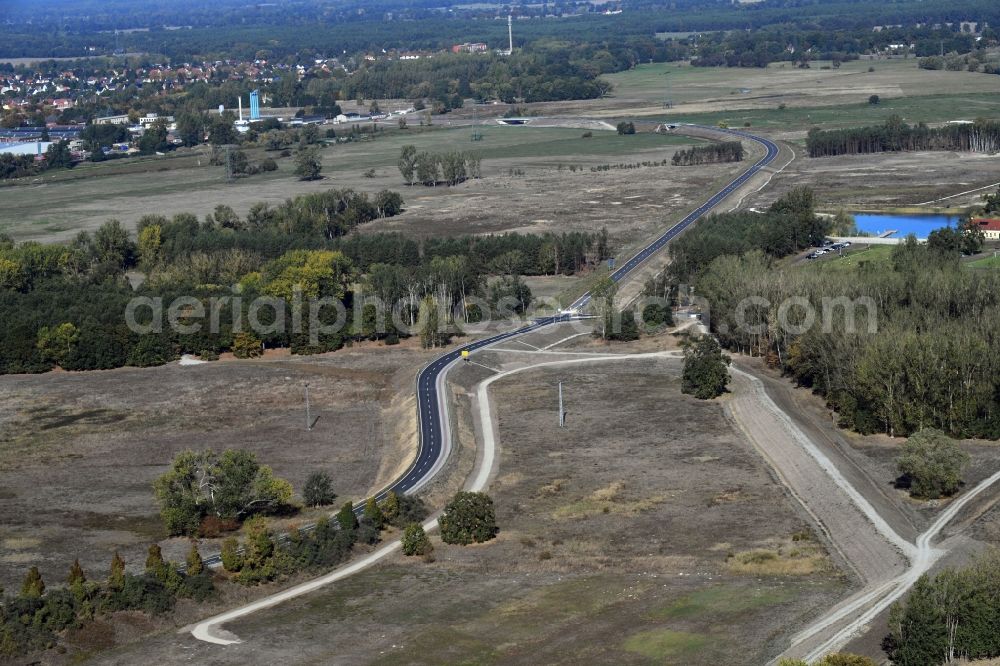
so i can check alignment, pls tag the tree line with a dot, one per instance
(37, 617)
(895, 135)
(948, 616)
(56, 156)
(788, 226)
(64, 305)
(714, 153)
(429, 169)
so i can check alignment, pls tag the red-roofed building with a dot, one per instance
(989, 226)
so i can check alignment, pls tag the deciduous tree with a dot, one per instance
(705, 374)
(469, 517)
(934, 464)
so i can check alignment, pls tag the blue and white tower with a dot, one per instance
(255, 105)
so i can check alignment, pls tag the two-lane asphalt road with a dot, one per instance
(432, 410)
(432, 407)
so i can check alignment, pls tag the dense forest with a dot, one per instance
(893, 347)
(66, 305)
(788, 226)
(539, 76)
(981, 136)
(949, 616)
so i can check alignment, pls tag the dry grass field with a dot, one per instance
(623, 540)
(58, 206)
(80, 451)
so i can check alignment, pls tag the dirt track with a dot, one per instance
(858, 538)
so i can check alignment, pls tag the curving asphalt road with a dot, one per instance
(432, 408)
(432, 412)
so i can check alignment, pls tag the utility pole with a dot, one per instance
(308, 416)
(562, 412)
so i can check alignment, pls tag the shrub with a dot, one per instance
(873, 100)
(655, 315)
(144, 593)
(368, 532)
(625, 128)
(198, 587)
(212, 526)
(318, 490)
(415, 541)
(468, 517)
(410, 510)
(626, 330)
(247, 345)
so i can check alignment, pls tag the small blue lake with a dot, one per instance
(904, 225)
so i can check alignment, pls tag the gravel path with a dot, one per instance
(858, 536)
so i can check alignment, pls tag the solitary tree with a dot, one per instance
(705, 374)
(934, 464)
(390, 507)
(318, 490)
(874, 99)
(231, 486)
(307, 165)
(602, 295)
(468, 517)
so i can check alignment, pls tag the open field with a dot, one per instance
(79, 451)
(634, 204)
(813, 96)
(63, 203)
(869, 463)
(623, 540)
(886, 180)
